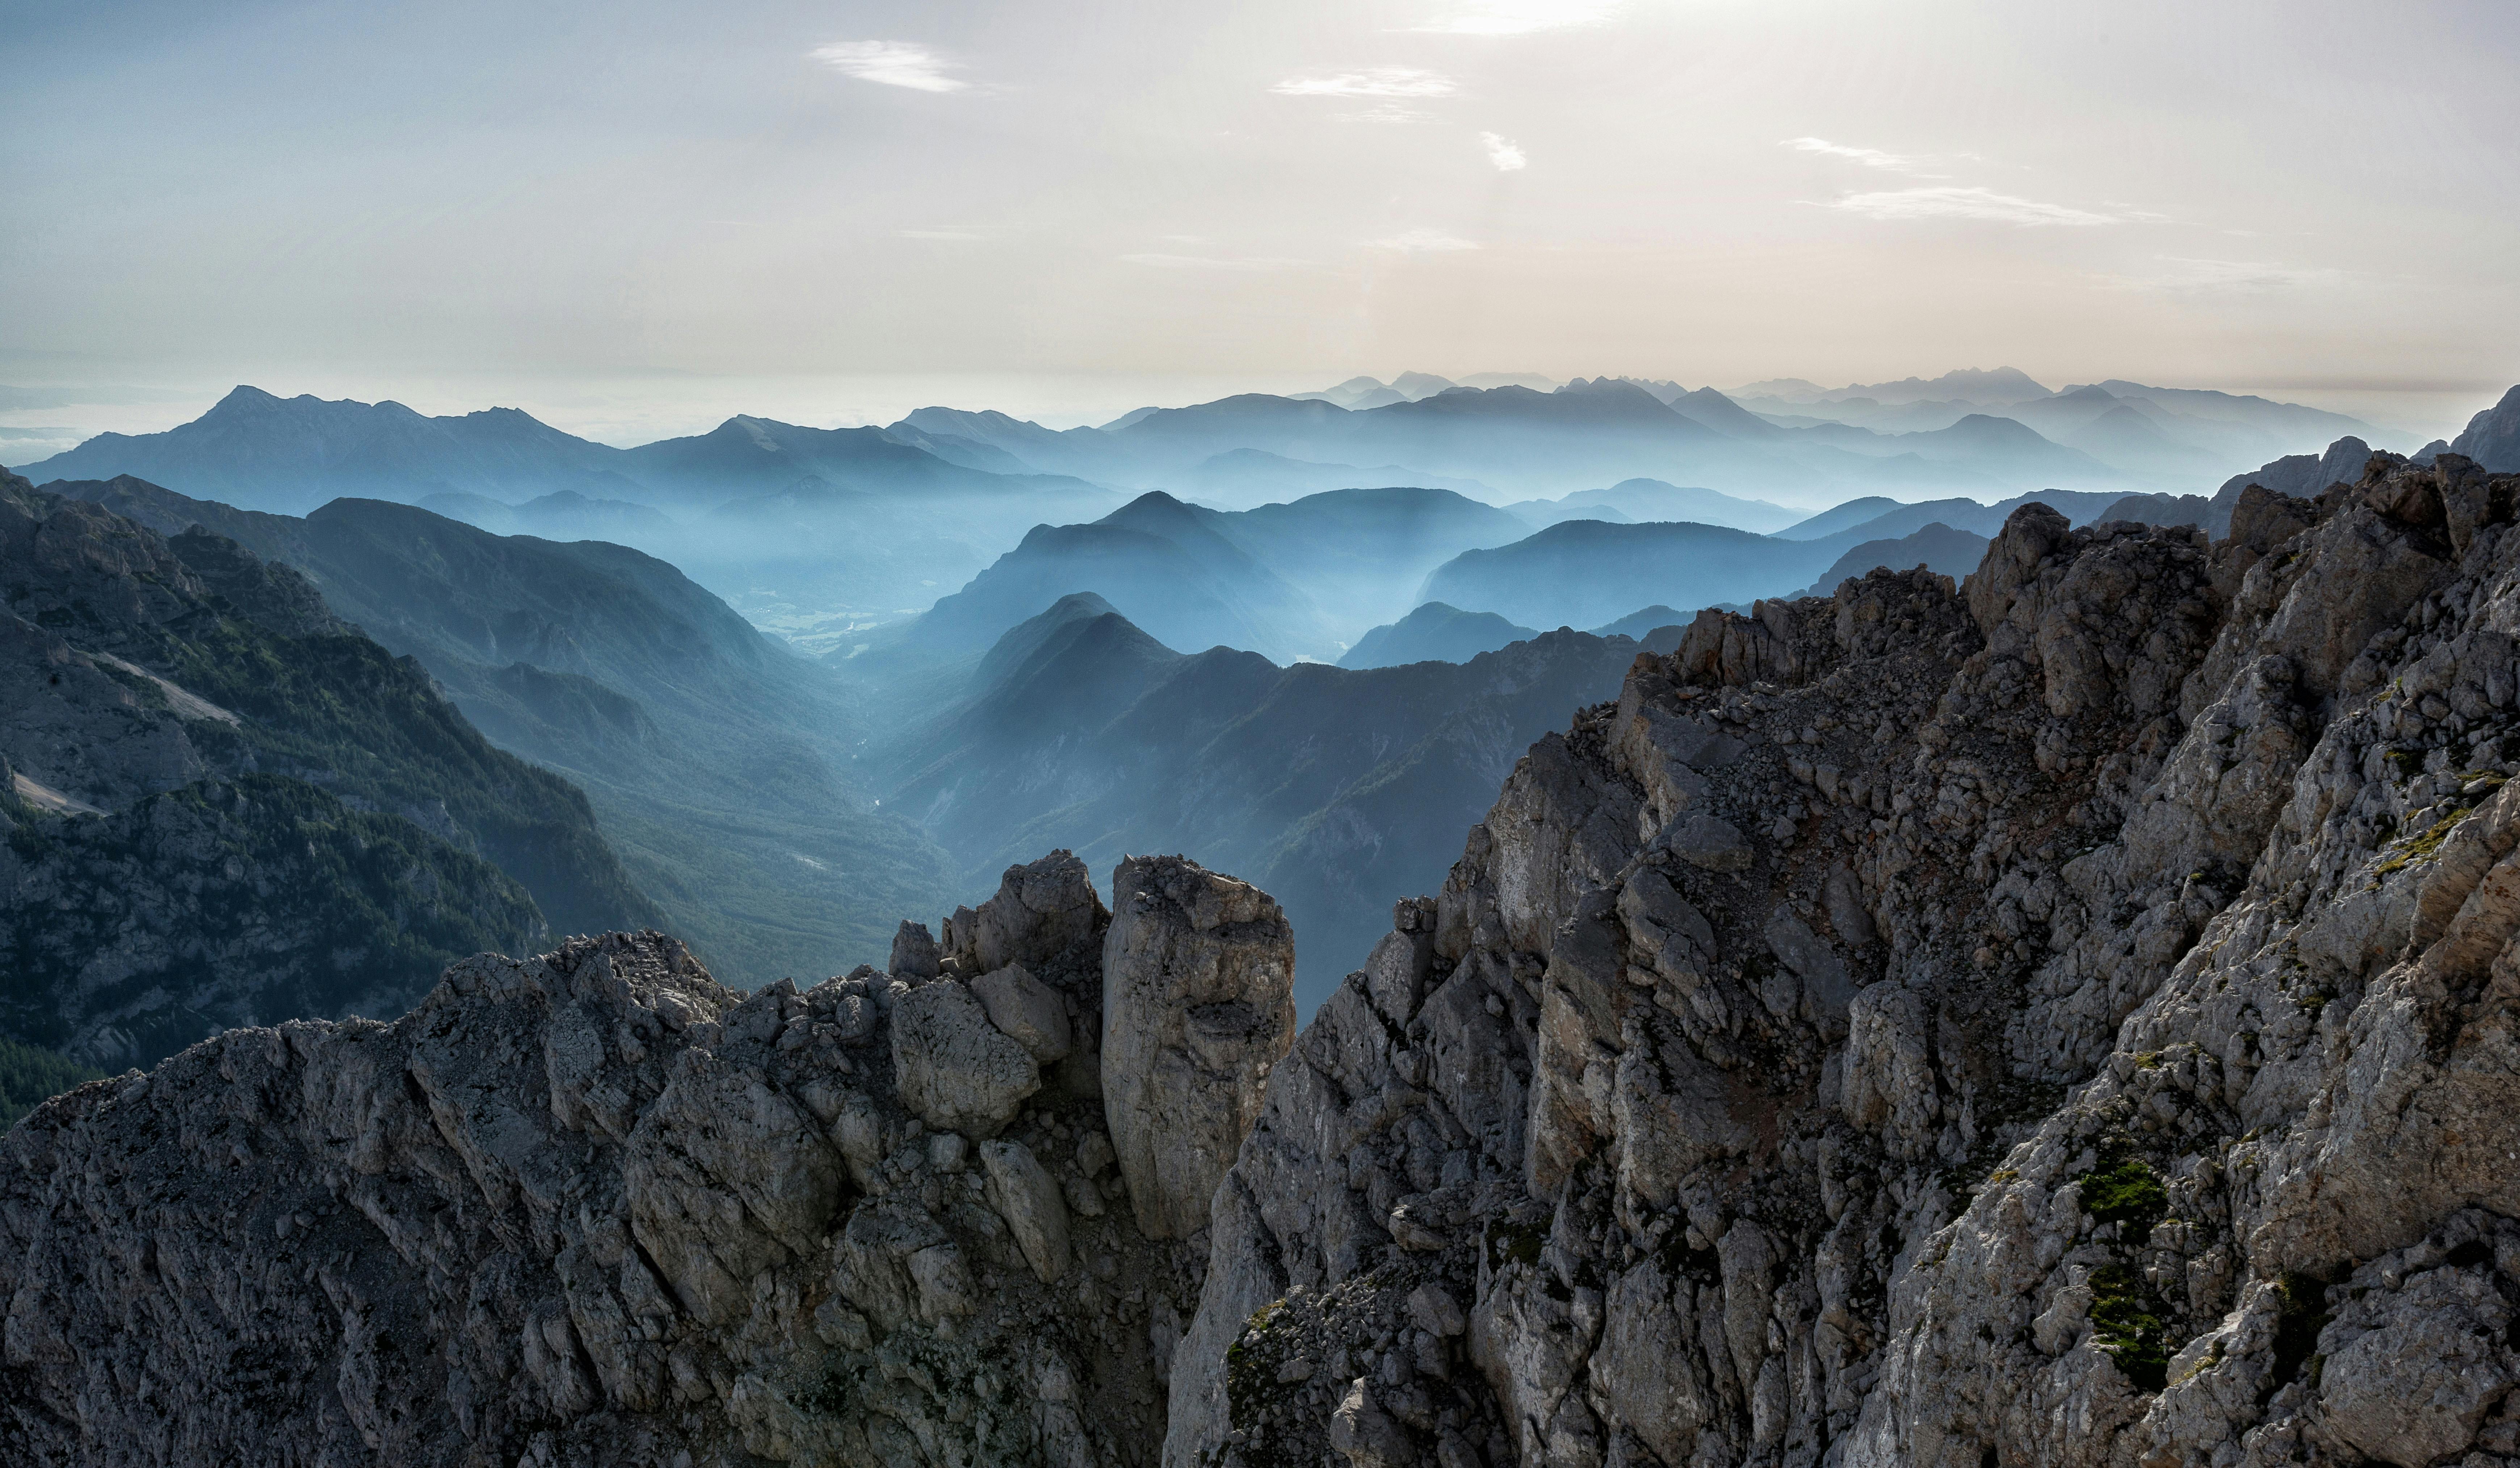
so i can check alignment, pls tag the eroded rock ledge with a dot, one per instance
(2064, 1018)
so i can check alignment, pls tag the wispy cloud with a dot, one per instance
(1422, 243)
(894, 63)
(1372, 82)
(1518, 17)
(946, 232)
(1507, 157)
(1953, 201)
(1214, 262)
(2229, 277)
(1386, 112)
(1869, 157)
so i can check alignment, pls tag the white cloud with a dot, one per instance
(1519, 17)
(1869, 157)
(1372, 82)
(946, 232)
(1423, 242)
(1211, 262)
(1507, 157)
(894, 63)
(1953, 201)
(1388, 111)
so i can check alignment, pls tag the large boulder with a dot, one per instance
(954, 1070)
(1198, 1005)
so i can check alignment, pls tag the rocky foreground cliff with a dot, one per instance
(2068, 1017)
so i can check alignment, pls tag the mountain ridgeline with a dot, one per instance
(227, 807)
(719, 763)
(2062, 1017)
(815, 532)
(1338, 789)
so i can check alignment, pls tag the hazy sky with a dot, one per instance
(596, 209)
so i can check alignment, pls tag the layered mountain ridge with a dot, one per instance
(1337, 789)
(224, 806)
(2061, 1018)
(719, 762)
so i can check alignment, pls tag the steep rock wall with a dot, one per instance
(2058, 1019)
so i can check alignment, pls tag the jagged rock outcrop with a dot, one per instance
(594, 1208)
(1198, 971)
(2061, 1018)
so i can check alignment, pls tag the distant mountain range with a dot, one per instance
(2159, 434)
(1936, 547)
(1304, 580)
(763, 512)
(1584, 573)
(2492, 437)
(828, 533)
(1291, 581)
(1433, 632)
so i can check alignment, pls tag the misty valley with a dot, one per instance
(804, 681)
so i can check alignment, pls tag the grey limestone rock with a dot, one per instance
(914, 953)
(589, 1209)
(1199, 974)
(1025, 1010)
(955, 1070)
(1038, 912)
(2092, 1048)
(1029, 1200)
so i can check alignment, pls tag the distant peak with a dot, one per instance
(244, 398)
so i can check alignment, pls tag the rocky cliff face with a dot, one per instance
(2065, 1017)
(2060, 1019)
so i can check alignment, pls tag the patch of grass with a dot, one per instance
(2125, 1191)
(1252, 1368)
(2424, 845)
(2126, 1322)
